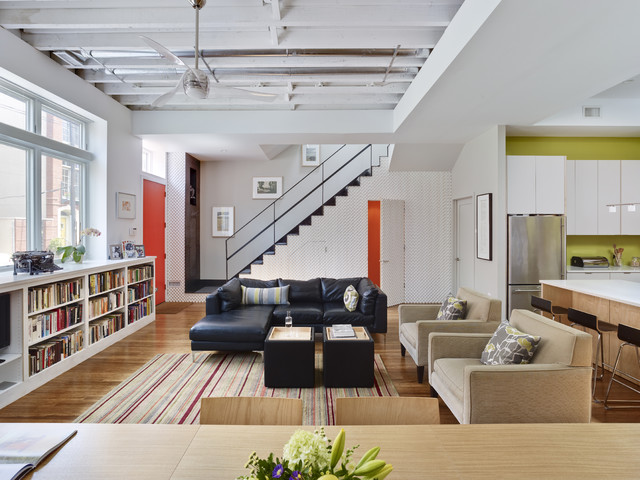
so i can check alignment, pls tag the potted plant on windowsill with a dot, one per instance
(76, 252)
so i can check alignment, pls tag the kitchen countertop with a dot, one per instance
(624, 268)
(617, 290)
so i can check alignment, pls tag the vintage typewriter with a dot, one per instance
(34, 262)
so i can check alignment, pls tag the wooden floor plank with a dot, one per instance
(64, 398)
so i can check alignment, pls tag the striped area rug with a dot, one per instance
(169, 387)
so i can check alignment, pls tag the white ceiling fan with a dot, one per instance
(195, 82)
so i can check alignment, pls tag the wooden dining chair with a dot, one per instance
(387, 411)
(250, 411)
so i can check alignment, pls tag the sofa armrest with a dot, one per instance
(456, 345)
(409, 313)
(212, 304)
(547, 393)
(380, 314)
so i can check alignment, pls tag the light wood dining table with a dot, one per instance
(219, 452)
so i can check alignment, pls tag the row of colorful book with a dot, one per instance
(106, 303)
(102, 282)
(45, 324)
(106, 326)
(51, 352)
(48, 296)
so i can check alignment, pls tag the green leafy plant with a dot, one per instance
(76, 252)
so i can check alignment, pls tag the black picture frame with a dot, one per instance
(484, 226)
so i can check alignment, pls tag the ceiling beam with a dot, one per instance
(298, 99)
(391, 88)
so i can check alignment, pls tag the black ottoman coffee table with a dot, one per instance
(289, 357)
(347, 362)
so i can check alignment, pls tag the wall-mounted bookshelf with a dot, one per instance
(60, 319)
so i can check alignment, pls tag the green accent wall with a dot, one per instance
(577, 148)
(602, 245)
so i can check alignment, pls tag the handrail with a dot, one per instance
(275, 219)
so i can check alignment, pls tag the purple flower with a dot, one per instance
(295, 476)
(277, 472)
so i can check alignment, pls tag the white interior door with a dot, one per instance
(465, 258)
(392, 250)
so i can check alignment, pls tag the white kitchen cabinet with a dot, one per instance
(588, 275)
(628, 276)
(570, 193)
(535, 184)
(586, 198)
(630, 193)
(608, 193)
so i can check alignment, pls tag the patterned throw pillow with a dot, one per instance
(265, 296)
(452, 309)
(509, 346)
(351, 298)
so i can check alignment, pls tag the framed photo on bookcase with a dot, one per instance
(129, 249)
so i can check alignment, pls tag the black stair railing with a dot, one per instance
(283, 216)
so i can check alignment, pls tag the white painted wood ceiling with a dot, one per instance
(314, 54)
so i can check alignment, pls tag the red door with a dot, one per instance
(153, 214)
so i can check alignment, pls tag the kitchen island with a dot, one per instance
(613, 301)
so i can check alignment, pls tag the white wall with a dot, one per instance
(481, 168)
(117, 153)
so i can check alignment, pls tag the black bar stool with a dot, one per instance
(630, 338)
(587, 320)
(544, 305)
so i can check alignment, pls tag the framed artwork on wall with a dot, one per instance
(267, 187)
(310, 155)
(223, 221)
(125, 205)
(484, 226)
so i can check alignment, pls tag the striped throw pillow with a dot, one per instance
(265, 296)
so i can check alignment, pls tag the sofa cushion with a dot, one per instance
(305, 313)
(265, 296)
(368, 296)
(335, 312)
(350, 298)
(230, 295)
(303, 290)
(451, 372)
(410, 332)
(333, 288)
(255, 283)
(452, 309)
(247, 323)
(509, 346)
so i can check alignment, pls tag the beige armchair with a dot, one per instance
(417, 321)
(554, 387)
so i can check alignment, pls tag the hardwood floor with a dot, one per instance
(69, 395)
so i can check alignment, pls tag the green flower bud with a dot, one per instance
(337, 448)
(370, 469)
(370, 455)
(384, 472)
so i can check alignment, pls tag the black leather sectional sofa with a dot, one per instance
(231, 325)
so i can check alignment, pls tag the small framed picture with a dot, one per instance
(267, 187)
(310, 155)
(140, 251)
(115, 252)
(484, 226)
(129, 249)
(125, 205)
(223, 221)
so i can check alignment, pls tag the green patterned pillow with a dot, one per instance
(452, 309)
(265, 296)
(509, 346)
(351, 298)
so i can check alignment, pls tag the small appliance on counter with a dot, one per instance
(590, 262)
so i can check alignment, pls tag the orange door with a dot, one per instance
(153, 212)
(374, 241)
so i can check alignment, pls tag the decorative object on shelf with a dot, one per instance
(76, 252)
(309, 456)
(129, 249)
(33, 262)
(288, 320)
(267, 187)
(125, 205)
(222, 220)
(115, 252)
(140, 251)
(483, 222)
(310, 155)
(635, 261)
(617, 255)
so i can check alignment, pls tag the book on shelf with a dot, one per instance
(342, 331)
(22, 449)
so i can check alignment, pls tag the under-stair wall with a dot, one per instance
(335, 244)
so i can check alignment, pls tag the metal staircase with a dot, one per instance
(297, 207)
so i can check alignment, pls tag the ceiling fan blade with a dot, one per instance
(242, 93)
(163, 99)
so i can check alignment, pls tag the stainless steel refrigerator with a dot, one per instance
(536, 251)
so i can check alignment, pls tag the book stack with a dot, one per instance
(342, 331)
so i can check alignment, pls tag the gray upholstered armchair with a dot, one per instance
(554, 387)
(417, 321)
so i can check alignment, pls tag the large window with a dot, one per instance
(153, 162)
(41, 183)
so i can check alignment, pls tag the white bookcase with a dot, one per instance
(60, 319)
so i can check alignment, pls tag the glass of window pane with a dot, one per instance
(57, 126)
(13, 202)
(62, 207)
(13, 111)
